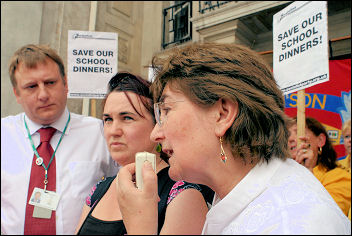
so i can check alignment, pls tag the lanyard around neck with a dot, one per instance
(35, 150)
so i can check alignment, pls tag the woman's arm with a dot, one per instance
(85, 211)
(186, 213)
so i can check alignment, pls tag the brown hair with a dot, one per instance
(207, 72)
(31, 55)
(125, 81)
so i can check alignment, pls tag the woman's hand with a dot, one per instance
(139, 208)
(305, 154)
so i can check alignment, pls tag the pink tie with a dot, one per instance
(36, 226)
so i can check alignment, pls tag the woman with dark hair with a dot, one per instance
(128, 121)
(318, 155)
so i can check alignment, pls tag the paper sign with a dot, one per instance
(300, 43)
(91, 62)
(151, 74)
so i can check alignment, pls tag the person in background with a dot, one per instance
(220, 118)
(128, 121)
(46, 147)
(345, 162)
(317, 154)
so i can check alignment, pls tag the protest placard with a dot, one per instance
(300, 51)
(300, 45)
(92, 61)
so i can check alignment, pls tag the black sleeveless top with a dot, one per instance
(94, 226)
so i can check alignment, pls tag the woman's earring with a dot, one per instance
(222, 152)
(320, 151)
(158, 147)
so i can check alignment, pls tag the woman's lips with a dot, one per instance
(116, 145)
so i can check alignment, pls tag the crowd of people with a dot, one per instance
(128, 121)
(228, 159)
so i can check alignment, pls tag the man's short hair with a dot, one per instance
(31, 55)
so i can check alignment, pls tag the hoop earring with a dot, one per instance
(222, 152)
(320, 151)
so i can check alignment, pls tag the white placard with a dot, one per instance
(151, 74)
(91, 62)
(300, 38)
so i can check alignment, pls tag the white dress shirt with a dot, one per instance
(281, 197)
(82, 159)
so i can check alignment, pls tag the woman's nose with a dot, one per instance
(116, 129)
(156, 135)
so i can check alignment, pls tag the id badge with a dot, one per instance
(44, 199)
(40, 212)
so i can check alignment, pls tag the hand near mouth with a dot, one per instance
(139, 208)
(305, 155)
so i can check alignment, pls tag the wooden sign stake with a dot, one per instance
(301, 115)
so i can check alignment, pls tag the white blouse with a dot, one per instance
(282, 197)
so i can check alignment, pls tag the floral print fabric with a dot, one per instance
(178, 187)
(92, 190)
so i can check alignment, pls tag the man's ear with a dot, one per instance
(66, 84)
(227, 111)
(17, 95)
